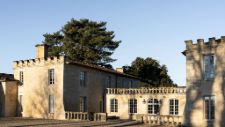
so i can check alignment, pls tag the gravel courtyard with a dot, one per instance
(19, 122)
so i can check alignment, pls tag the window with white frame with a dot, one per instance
(51, 103)
(132, 106)
(21, 103)
(122, 83)
(21, 77)
(108, 82)
(82, 78)
(209, 107)
(153, 106)
(130, 84)
(174, 106)
(83, 104)
(51, 77)
(209, 67)
(114, 105)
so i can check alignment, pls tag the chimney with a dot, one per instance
(42, 50)
(119, 70)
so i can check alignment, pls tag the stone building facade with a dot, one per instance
(8, 95)
(205, 82)
(49, 86)
(158, 102)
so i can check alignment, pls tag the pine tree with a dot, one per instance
(85, 41)
(151, 72)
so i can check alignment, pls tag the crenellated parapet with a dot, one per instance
(202, 45)
(39, 61)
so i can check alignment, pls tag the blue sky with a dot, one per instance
(147, 28)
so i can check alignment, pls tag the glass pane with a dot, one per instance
(171, 107)
(211, 66)
(131, 101)
(21, 102)
(206, 107)
(149, 109)
(156, 101)
(135, 110)
(171, 102)
(131, 109)
(135, 101)
(212, 108)
(156, 107)
(206, 63)
(150, 101)
(51, 103)
(176, 102)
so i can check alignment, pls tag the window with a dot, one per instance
(51, 103)
(82, 78)
(133, 106)
(51, 77)
(174, 103)
(209, 107)
(83, 104)
(101, 106)
(153, 106)
(122, 83)
(21, 103)
(130, 84)
(108, 82)
(21, 77)
(114, 105)
(209, 67)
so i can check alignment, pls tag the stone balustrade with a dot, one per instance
(86, 116)
(100, 117)
(159, 119)
(77, 115)
(147, 90)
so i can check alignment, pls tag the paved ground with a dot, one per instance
(19, 122)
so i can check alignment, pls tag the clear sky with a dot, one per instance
(147, 28)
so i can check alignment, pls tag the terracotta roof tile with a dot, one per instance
(68, 61)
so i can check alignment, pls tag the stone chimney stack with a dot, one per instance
(119, 70)
(42, 50)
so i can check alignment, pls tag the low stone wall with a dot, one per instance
(159, 119)
(86, 116)
(100, 117)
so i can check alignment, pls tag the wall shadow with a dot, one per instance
(198, 87)
(2, 101)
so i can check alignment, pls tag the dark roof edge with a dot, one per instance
(99, 68)
(7, 77)
(184, 52)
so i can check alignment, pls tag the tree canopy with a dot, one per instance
(151, 72)
(85, 41)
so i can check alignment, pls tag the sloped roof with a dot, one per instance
(68, 61)
(6, 77)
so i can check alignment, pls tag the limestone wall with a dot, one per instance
(8, 98)
(2, 98)
(96, 82)
(142, 107)
(36, 88)
(198, 87)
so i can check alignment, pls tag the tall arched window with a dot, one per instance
(114, 105)
(153, 106)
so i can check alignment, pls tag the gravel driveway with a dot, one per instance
(19, 121)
